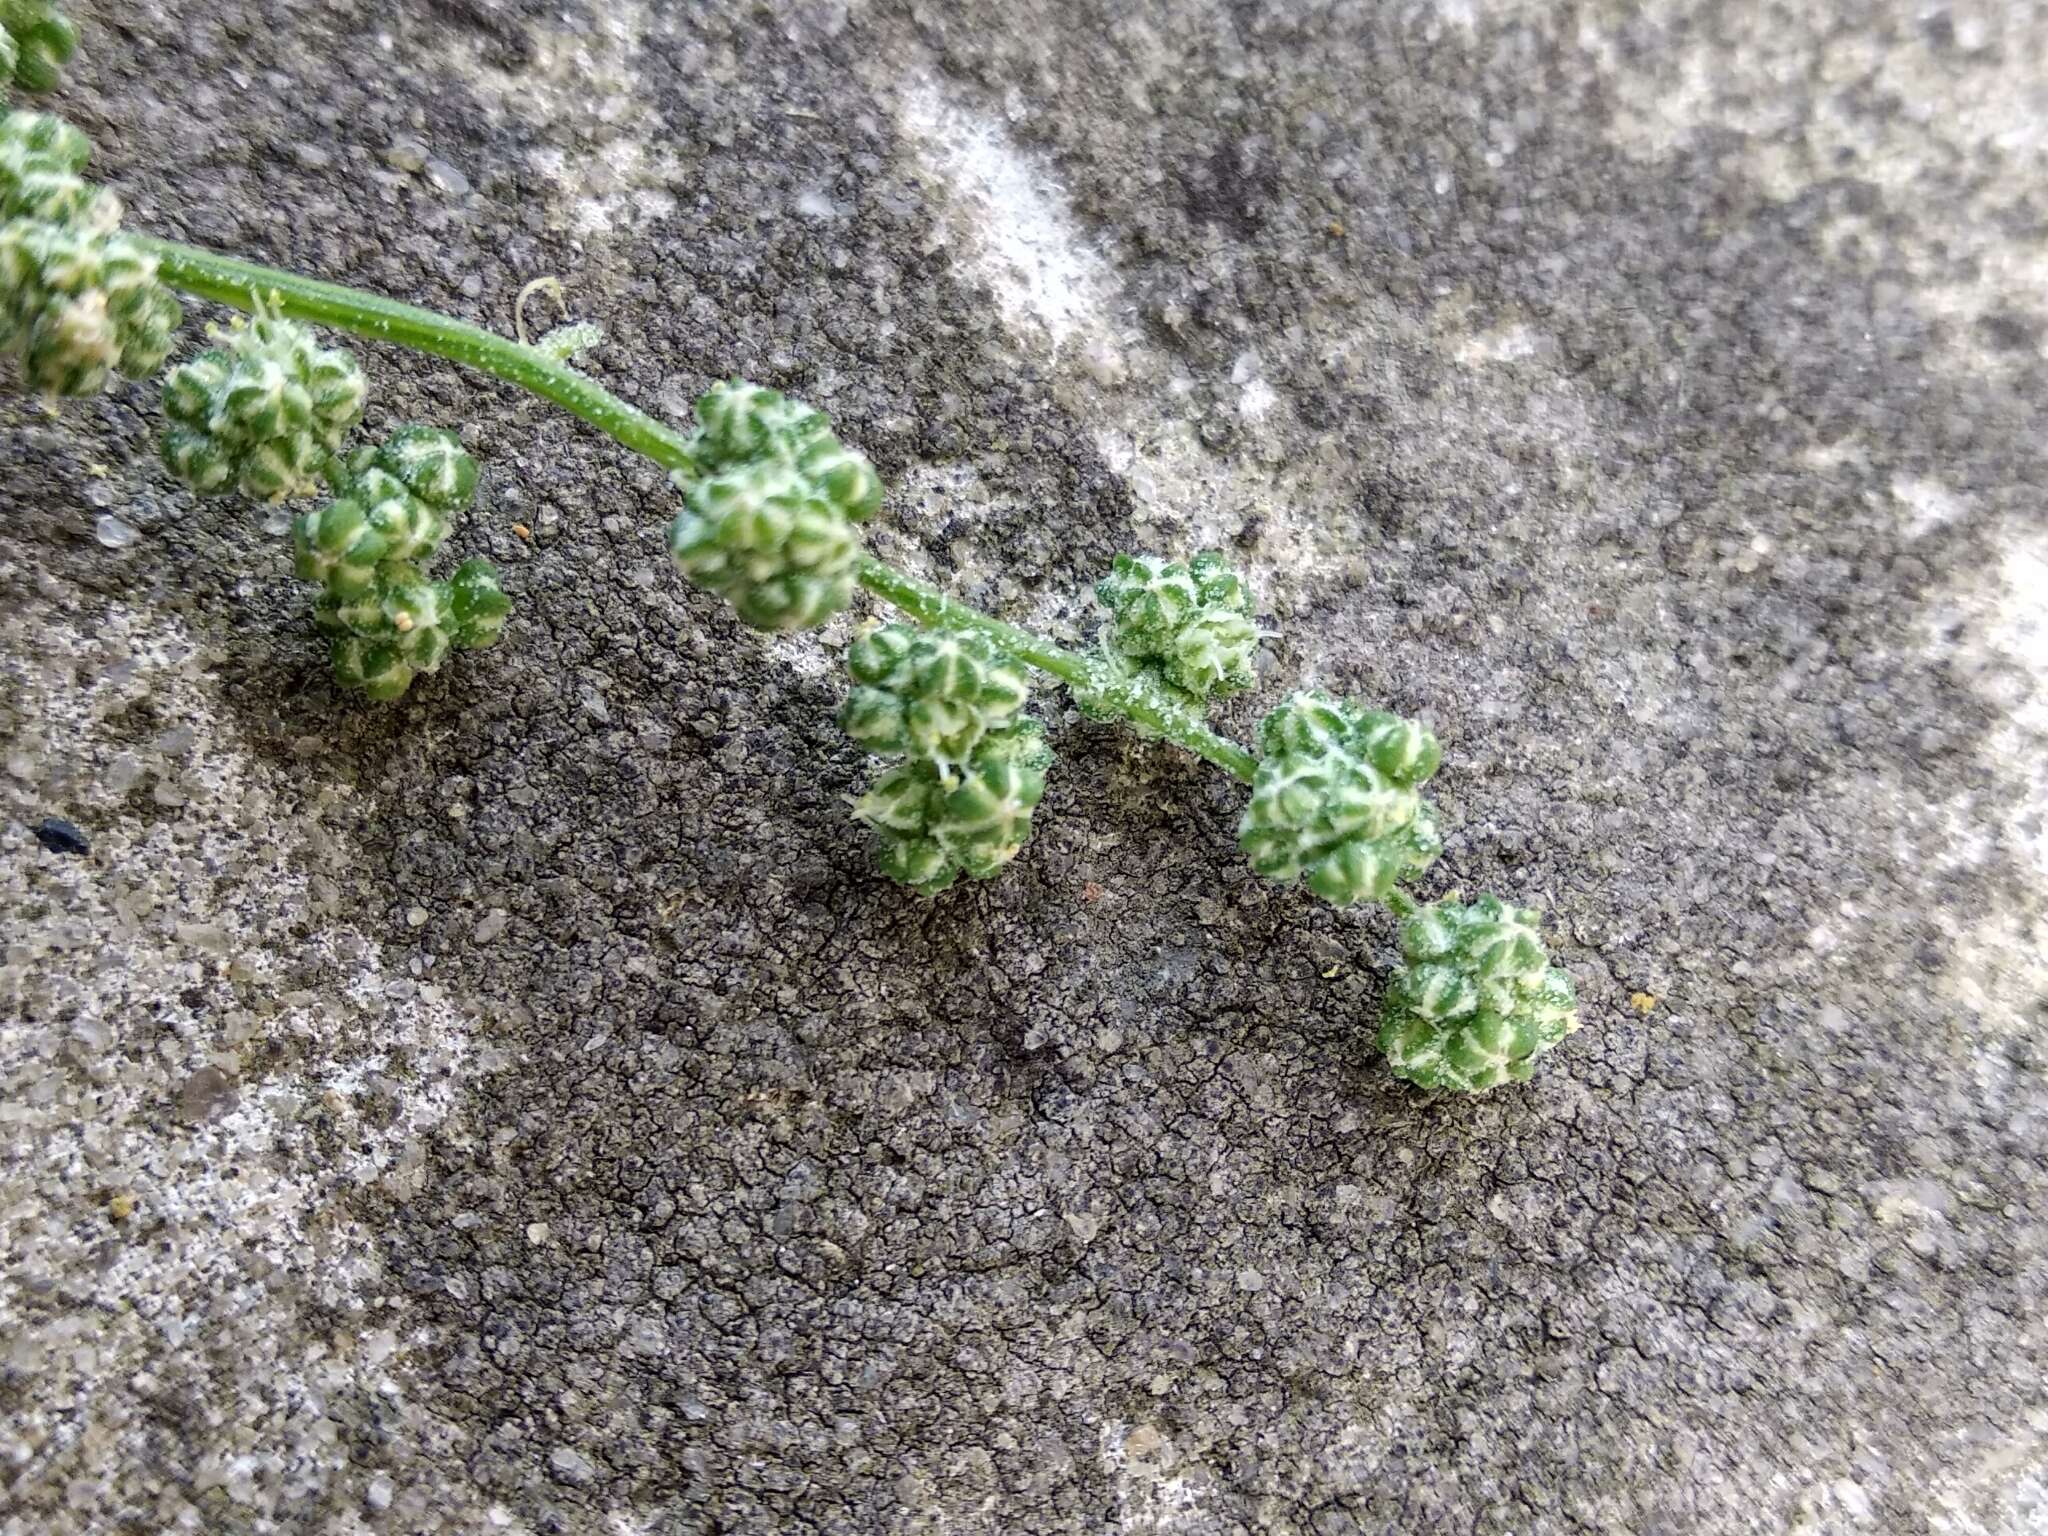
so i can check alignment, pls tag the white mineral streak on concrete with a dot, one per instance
(186, 1090)
(1011, 219)
(1152, 1499)
(1047, 275)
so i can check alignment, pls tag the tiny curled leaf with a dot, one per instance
(1476, 1000)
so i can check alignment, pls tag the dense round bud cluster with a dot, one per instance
(365, 548)
(1477, 1000)
(1336, 798)
(263, 413)
(929, 694)
(41, 158)
(768, 520)
(79, 301)
(936, 826)
(1190, 623)
(36, 42)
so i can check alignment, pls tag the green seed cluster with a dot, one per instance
(769, 519)
(1477, 1000)
(1336, 799)
(929, 694)
(947, 702)
(79, 301)
(263, 413)
(1191, 623)
(36, 42)
(366, 548)
(936, 826)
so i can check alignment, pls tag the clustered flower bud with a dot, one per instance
(1477, 1000)
(947, 701)
(1335, 799)
(929, 694)
(36, 42)
(79, 301)
(366, 547)
(263, 413)
(1189, 623)
(937, 826)
(768, 521)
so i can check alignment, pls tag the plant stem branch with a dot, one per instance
(245, 285)
(1137, 699)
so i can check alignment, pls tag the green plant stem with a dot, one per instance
(1138, 700)
(245, 285)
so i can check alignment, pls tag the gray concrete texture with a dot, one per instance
(522, 1109)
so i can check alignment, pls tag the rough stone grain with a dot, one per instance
(521, 1109)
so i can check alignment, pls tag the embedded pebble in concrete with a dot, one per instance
(522, 1108)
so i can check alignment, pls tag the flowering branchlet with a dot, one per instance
(36, 42)
(1336, 799)
(264, 412)
(1477, 1000)
(772, 503)
(79, 301)
(769, 517)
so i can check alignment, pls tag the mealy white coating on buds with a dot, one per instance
(79, 301)
(1335, 799)
(935, 827)
(1189, 623)
(929, 694)
(1476, 1000)
(769, 517)
(263, 412)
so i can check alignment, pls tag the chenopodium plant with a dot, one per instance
(36, 42)
(772, 507)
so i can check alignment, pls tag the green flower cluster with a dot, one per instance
(1189, 624)
(948, 703)
(263, 413)
(929, 694)
(768, 519)
(36, 42)
(936, 826)
(1336, 798)
(365, 548)
(1477, 1000)
(79, 301)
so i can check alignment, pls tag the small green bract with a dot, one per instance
(1191, 624)
(935, 827)
(263, 413)
(929, 695)
(1478, 999)
(1335, 798)
(769, 519)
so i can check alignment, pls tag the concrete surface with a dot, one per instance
(522, 1109)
